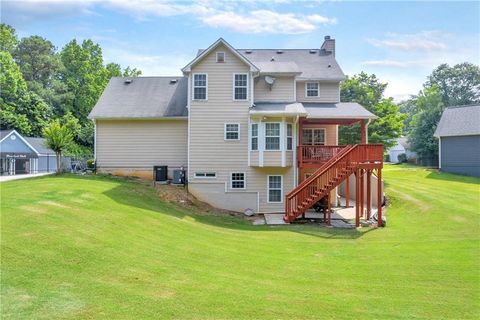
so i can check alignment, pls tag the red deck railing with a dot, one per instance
(317, 154)
(342, 162)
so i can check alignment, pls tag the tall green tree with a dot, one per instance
(430, 107)
(57, 137)
(37, 60)
(13, 96)
(368, 91)
(8, 38)
(458, 85)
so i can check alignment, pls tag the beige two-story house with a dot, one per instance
(253, 128)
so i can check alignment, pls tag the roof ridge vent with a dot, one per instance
(248, 51)
(312, 51)
(173, 81)
(127, 81)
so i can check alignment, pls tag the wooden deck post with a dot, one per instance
(347, 192)
(362, 191)
(329, 208)
(357, 197)
(379, 196)
(369, 193)
(363, 130)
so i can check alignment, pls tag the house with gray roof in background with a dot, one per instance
(458, 135)
(247, 125)
(402, 146)
(26, 155)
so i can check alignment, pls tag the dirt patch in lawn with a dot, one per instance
(180, 196)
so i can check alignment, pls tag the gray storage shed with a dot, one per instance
(459, 140)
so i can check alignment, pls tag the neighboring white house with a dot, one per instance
(401, 147)
(248, 125)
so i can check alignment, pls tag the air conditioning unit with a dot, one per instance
(160, 174)
(178, 177)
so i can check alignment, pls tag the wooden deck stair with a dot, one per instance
(329, 175)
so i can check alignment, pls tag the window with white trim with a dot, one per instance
(254, 136)
(272, 136)
(312, 89)
(240, 86)
(200, 86)
(237, 180)
(275, 188)
(232, 131)
(205, 175)
(314, 136)
(220, 56)
(289, 136)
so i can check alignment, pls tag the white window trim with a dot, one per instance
(313, 128)
(318, 91)
(281, 188)
(206, 86)
(225, 131)
(287, 136)
(244, 180)
(252, 136)
(233, 87)
(265, 137)
(224, 57)
(205, 177)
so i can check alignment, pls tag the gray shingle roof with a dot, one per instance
(38, 144)
(144, 97)
(317, 65)
(274, 108)
(459, 121)
(340, 110)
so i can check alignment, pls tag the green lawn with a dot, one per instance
(95, 247)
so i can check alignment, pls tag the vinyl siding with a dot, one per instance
(282, 90)
(461, 155)
(210, 152)
(329, 92)
(136, 145)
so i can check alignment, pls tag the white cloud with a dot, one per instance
(266, 21)
(151, 65)
(241, 17)
(421, 41)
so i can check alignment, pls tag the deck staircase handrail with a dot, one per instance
(328, 176)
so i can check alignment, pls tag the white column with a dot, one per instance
(249, 141)
(283, 141)
(294, 148)
(261, 142)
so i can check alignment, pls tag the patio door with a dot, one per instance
(314, 136)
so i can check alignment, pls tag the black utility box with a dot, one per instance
(160, 173)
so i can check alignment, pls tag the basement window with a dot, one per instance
(237, 180)
(206, 175)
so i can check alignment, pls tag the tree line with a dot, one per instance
(40, 85)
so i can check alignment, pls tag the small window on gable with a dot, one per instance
(232, 131)
(312, 89)
(220, 56)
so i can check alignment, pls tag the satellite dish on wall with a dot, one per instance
(269, 80)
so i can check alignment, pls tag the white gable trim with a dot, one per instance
(21, 138)
(188, 67)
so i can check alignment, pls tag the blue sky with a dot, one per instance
(401, 42)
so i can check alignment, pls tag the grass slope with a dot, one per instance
(96, 247)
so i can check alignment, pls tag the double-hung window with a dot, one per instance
(240, 86)
(312, 89)
(254, 136)
(237, 180)
(275, 188)
(200, 86)
(289, 136)
(272, 136)
(232, 131)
